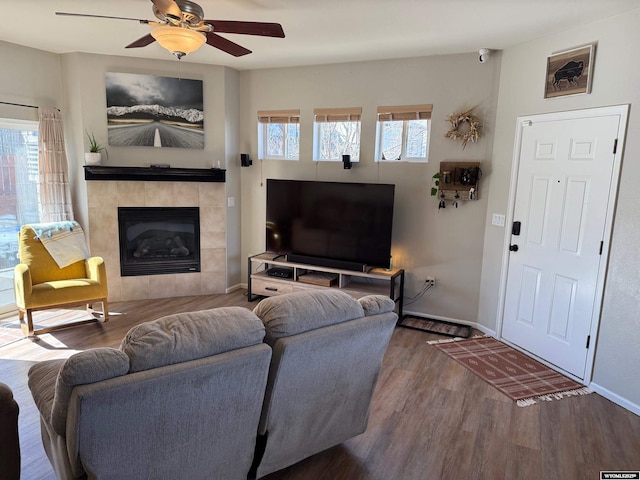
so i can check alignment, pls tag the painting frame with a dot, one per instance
(154, 111)
(570, 72)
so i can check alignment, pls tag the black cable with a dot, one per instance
(418, 295)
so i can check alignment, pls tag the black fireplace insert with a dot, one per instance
(159, 240)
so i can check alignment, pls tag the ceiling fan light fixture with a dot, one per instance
(179, 41)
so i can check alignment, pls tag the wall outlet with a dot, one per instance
(431, 281)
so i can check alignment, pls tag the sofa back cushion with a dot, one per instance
(191, 335)
(298, 312)
(42, 266)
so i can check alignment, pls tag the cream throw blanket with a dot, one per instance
(64, 241)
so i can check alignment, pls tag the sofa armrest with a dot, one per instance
(52, 381)
(9, 439)
(23, 284)
(96, 270)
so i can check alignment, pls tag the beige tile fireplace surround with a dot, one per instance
(104, 198)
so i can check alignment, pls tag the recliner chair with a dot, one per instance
(327, 355)
(41, 284)
(180, 398)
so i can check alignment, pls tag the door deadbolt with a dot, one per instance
(513, 248)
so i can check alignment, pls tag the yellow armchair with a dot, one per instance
(41, 284)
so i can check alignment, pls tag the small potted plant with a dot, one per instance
(94, 155)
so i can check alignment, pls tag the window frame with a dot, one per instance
(405, 114)
(286, 118)
(335, 115)
(31, 169)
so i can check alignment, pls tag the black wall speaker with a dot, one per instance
(245, 161)
(346, 160)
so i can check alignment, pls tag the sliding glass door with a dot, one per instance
(18, 196)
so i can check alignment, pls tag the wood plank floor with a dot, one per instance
(431, 418)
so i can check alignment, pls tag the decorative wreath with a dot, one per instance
(465, 126)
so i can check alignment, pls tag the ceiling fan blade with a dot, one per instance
(168, 8)
(66, 14)
(142, 42)
(226, 45)
(247, 28)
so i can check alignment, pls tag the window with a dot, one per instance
(19, 193)
(279, 135)
(403, 133)
(336, 133)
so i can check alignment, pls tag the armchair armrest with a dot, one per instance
(96, 270)
(23, 284)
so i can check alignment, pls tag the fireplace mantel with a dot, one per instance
(154, 174)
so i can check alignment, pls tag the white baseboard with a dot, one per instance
(235, 287)
(615, 398)
(482, 328)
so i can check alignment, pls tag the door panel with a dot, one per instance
(564, 176)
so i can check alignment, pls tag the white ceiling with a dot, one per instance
(317, 31)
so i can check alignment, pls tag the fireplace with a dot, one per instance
(159, 240)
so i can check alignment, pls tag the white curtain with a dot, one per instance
(55, 196)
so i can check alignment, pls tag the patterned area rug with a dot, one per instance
(513, 373)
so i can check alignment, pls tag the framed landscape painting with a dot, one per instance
(153, 111)
(569, 72)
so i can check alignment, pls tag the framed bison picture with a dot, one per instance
(569, 72)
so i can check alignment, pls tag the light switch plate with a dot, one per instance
(497, 220)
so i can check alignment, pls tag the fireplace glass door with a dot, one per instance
(159, 240)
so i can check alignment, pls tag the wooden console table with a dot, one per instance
(378, 281)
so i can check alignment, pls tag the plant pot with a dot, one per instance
(92, 158)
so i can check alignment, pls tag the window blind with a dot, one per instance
(323, 115)
(279, 116)
(404, 112)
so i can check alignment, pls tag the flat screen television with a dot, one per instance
(333, 224)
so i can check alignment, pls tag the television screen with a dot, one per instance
(340, 222)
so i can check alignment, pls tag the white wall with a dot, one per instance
(447, 243)
(30, 77)
(615, 81)
(235, 262)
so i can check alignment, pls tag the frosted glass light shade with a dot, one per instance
(179, 41)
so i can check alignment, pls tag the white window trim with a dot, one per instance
(405, 134)
(404, 113)
(280, 117)
(262, 143)
(352, 115)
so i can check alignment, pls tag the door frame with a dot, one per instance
(521, 123)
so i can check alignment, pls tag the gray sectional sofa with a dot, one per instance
(219, 394)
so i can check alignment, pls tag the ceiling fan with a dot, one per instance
(181, 29)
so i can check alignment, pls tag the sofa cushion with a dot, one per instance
(298, 312)
(52, 382)
(191, 335)
(376, 304)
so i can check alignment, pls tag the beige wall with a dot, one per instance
(615, 81)
(447, 243)
(30, 77)
(85, 108)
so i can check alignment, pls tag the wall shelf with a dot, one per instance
(154, 174)
(459, 181)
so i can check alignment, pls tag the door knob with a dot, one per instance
(513, 248)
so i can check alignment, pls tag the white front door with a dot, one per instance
(562, 200)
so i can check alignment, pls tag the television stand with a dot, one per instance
(304, 276)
